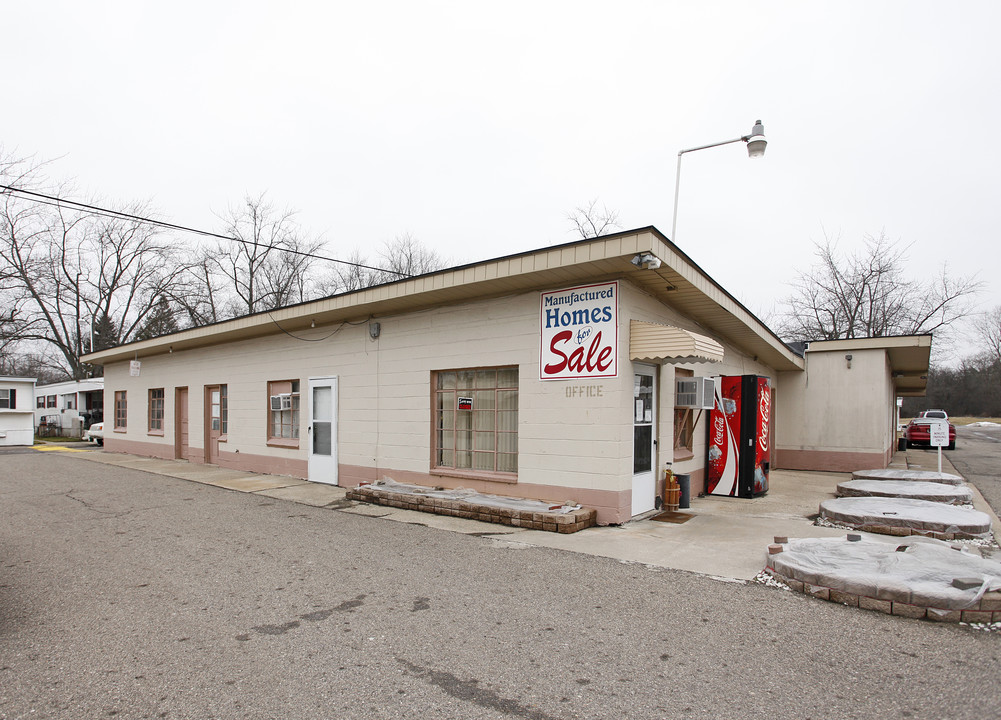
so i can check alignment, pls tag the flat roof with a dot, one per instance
(909, 357)
(678, 283)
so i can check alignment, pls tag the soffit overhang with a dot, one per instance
(678, 282)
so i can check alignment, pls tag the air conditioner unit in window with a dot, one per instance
(696, 392)
(281, 402)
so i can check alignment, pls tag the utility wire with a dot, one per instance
(43, 199)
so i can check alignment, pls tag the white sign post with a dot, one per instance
(938, 436)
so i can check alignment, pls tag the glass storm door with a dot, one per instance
(644, 434)
(322, 431)
(213, 423)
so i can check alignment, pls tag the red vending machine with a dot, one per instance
(738, 459)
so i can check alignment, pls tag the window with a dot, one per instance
(218, 410)
(476, 420)
(8, 399)
(684, 424)
(121, 410)
(50, 401)
(223, 409)
(283, 412)
(69, 402)
(156, 411)
(40, 401)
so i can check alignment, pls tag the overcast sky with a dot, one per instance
(478, 126)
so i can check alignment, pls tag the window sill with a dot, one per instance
(279, 442)
(120, 430)
(475, 475)
(157, 433)
(682, 454)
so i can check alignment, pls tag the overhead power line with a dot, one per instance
(53, 201)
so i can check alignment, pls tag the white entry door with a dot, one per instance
(322, 430)
(644, 438)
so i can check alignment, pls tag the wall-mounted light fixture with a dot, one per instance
(170, 349)
(848, 359)
(374, 330)
(647, 261)
(312, 323)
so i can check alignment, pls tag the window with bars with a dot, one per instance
(121, 410)
(476, 420)
(156, 410)
(283, 412)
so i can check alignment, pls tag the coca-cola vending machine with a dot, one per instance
(738, 437)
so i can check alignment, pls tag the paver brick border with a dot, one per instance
(987, 610)
(568, 522)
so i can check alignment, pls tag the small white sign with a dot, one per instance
(134, 366)
(938, 434)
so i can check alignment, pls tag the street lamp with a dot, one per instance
(756, 144)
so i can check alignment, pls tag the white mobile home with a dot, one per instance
(66, 409)
(16, 395)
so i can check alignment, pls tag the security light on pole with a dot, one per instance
(756, 144)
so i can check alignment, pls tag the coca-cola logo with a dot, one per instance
(764, 408)
(719, 426)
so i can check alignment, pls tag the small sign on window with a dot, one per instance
(465, 403)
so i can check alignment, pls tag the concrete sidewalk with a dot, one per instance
(725, 538)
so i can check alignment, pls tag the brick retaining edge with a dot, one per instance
(987, 610)
(569, 522)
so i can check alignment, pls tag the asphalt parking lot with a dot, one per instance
(126, 594)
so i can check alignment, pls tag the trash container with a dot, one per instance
(901, 443)
(685, 483)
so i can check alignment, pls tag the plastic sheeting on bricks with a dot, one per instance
(918, 515)
(921, 574)
(522, 504)
(918, 475)
(915, 490)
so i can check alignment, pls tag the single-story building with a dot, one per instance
(68, 408)
(575, 372)
(16, 394)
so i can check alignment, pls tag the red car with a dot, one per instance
(917, 432)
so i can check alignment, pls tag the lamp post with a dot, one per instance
(755, 148)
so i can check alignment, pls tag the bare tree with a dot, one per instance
(988, 329)
(63, 267)
(199, 292)
(267, 264)
(403, 256)
(348, 276)
(868, 294)
(588, 221)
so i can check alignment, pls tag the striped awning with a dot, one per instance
(652, 342)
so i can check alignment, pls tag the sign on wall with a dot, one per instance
(579, 329)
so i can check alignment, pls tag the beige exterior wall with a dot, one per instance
(735, 362)
(575, 437)
(837, 418)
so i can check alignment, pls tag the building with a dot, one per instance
(16, 395)
(66, 409)
(548, 374)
